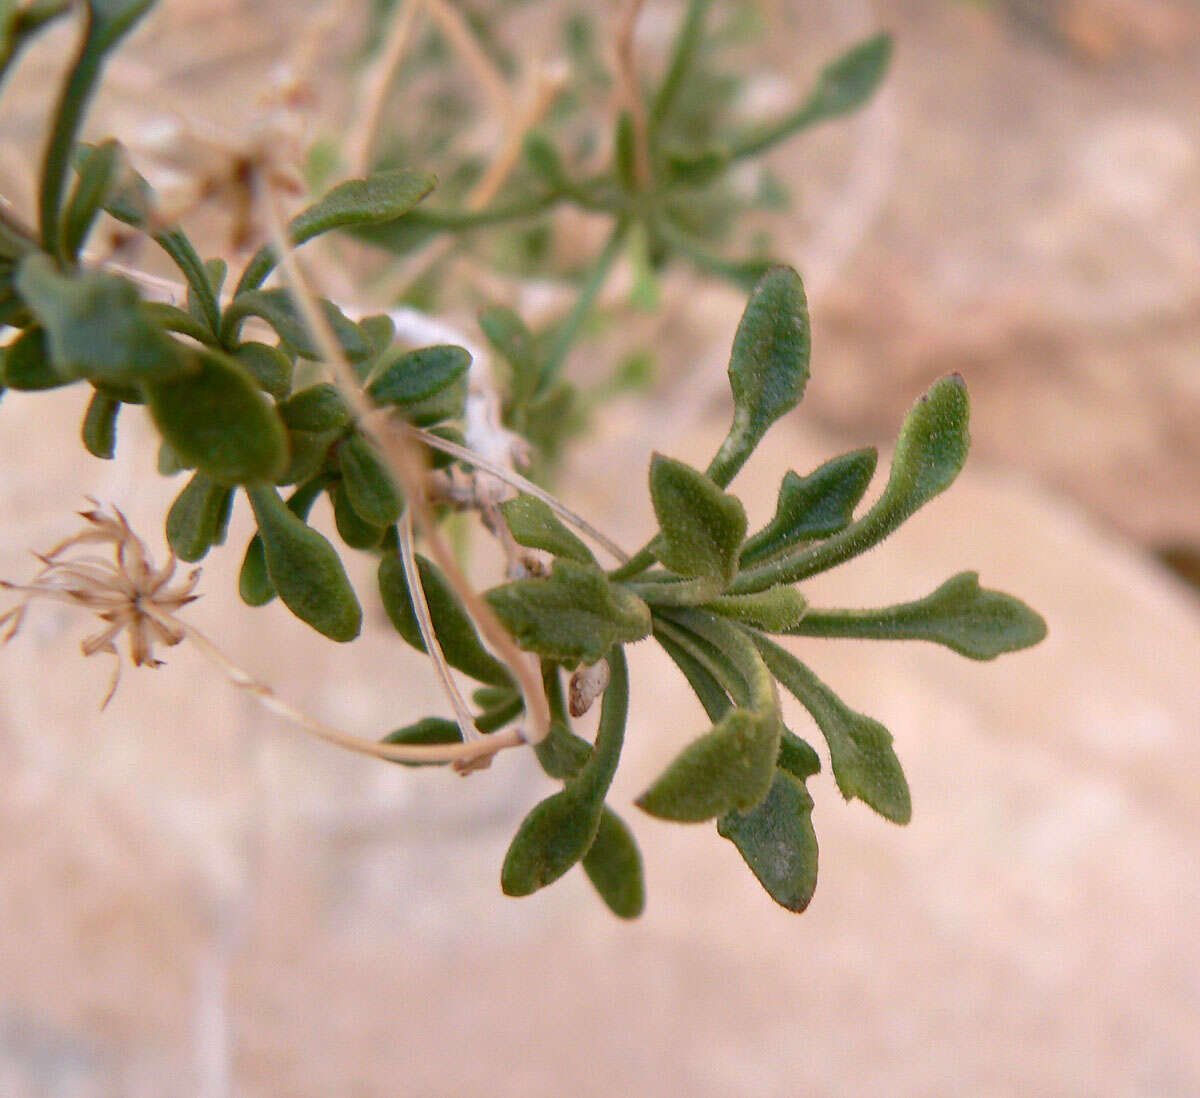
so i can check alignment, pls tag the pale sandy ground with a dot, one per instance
(194, 902)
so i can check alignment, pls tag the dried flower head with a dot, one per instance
(127, 593)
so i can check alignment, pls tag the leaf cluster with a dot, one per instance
(228, 380)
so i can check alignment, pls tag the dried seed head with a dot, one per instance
(127, 593)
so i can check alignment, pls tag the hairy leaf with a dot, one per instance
(408, 377)
(196, 518)
(534, 525)
(702, 527)
(305, 569)
(455, 631)
(573, 614)
(768, 367)
(218, 420)
(776, 610)
(860, 749)
(929, 454)
(279, 310)
(269, 366)
(726, 769)
(100, 424)
(777, 841)
(27, 365)
(317, 408)
(254, 585)
(559, 830)
(369, 486)
(814, 506)
(614, 866)
(972, 620)
(428, 730)
(94, 327)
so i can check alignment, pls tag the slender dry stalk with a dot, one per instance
(631, 92)
(546, 83)
(376, 84)
(456, 29)
(133, 597)
(519, 482)
(408, 470)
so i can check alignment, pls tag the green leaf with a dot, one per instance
(216, 419)
(843, 86)
(254, 585)
(929, 454)
(429, 730)
(797, 756)
(278, 309)
(727, 768)
(97, 170)
(309, 455)
(455, 631)
(777, 841)
(776, 610)
(702, 527)
(27, 365)
(408, 377)
(304, 569)
(614, 866)
(369, 486)
(517, 345)
(560, 830)
(196, 518)
(203, 306)
(379, 331)
(100, 424)
(447, 403)
(562, 754)
(319, 408)
(94, 326)
(269, 367)
(107, 21)
(973, 621)
(534, 525)
(860, 749)
(696, 167)
(550, 840)
(703, 683)
(768, 367)
(381, 197)
(571, 615)
(847, 83)
(814, 506)
(352, 528)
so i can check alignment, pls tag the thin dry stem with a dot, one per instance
(375, 86)
(408, 560)
(546, 85)
(631, 92)
(452, 24)
(522, 485)
(407, 470)
(459, 754)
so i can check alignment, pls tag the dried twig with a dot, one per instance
(407, 469)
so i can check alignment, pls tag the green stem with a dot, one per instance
(761, 138)
(687, 41)
(176, 244)
(72, 105)
(569, 329)
(710, 692)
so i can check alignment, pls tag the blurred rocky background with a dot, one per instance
(193, 901)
